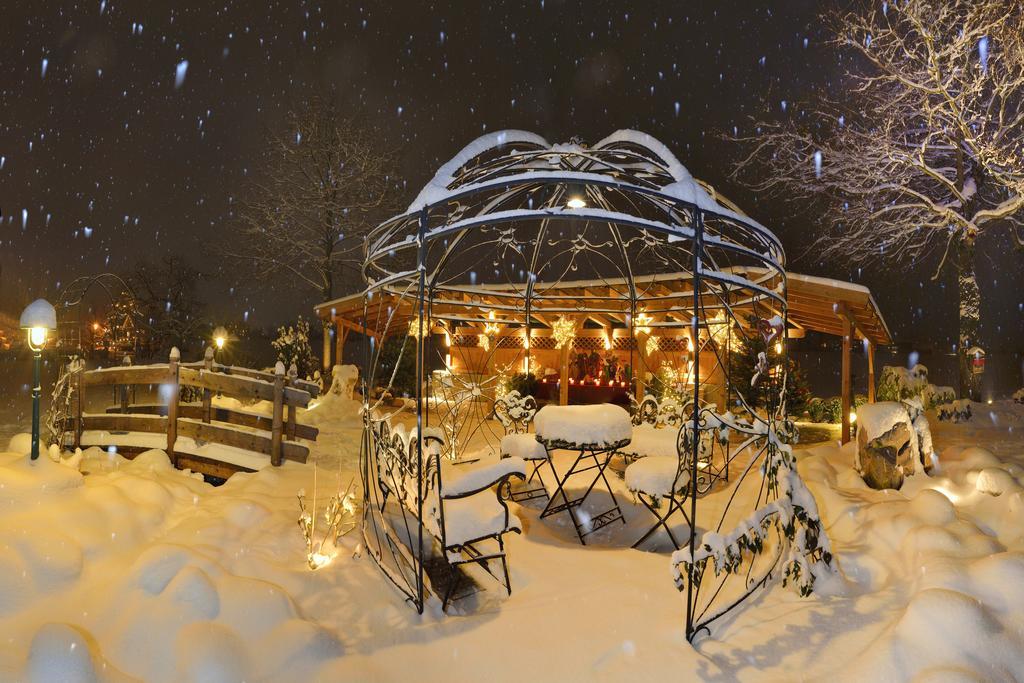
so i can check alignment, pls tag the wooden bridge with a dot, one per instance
(195, 434)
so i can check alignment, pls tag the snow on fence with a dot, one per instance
(216, 440)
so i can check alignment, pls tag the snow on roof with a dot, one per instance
(437, 187)
(683, 187)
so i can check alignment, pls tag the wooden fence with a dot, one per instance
(190, 424)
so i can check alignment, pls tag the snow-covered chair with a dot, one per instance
(660, 475)
(461, 505)
(515, 413)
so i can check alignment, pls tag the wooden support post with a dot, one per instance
(847, 339)
(207, 394)
(871, 371)
(563, 374)
(275, 432)
(123, 389)
(640, 339)
(172, 405)
(327, 346)
(293, 376)
(340, 335)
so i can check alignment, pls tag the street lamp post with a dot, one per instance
(220, 337)
(38, 319)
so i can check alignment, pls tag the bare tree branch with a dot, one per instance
(327, 183)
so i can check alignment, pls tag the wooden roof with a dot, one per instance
(814, 303)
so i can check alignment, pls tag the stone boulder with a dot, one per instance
(886, 459)
(343, 380)
(893, 442)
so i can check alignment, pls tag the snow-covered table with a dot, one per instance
(595, 432)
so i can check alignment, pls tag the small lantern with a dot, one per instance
(977, 356)
(38, 319)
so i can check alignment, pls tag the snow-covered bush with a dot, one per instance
(831, 409)
(292, 346)
(793, 514)
(898, 383)
(933, 396)
(957, 411)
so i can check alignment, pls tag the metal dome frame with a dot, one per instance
(493, 241)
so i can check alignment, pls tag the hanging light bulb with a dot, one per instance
(576, 196)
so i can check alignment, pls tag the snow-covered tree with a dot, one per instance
(925, 148)
(169, 306)
(327, 181)
(292, 347)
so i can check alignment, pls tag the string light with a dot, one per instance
(652, 345)
(643, 322)
(564, 332)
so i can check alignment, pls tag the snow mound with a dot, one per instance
(296, 643)
(60, 653)
(211, 653)
(20, 444)
(945, 627)
(995, 481)
(15, 582)
(25, 480)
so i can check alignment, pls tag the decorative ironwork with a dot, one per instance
(515, 232)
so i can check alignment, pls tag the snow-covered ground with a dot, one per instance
(138, 571)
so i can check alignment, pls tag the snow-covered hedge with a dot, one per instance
(898, 383)
(831, 409)
(793, 514)
(957, 411)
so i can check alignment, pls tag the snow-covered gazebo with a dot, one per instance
(519, 254)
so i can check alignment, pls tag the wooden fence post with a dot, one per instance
(125, 362)
(207, 394)
(275, 434)
(293, 375)
(79, 426)
(172, 405)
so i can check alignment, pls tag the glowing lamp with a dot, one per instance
(38, 319)
(576, 202)
(220, 337)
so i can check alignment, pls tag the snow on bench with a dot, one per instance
(461, 504)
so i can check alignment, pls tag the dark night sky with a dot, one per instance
(112, 163)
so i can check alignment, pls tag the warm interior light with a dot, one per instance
(576, 202)
(778, 347)
(853, 417)
(37, 336)
(95, 326)
(219, 341)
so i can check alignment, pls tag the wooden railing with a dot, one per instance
(275, 436)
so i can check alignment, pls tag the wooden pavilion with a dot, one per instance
(661, 333)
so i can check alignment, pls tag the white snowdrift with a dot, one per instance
(136, 571)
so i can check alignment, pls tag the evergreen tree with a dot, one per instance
(292, 346)
(744, 356)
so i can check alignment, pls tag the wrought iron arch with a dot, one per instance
(71, 299)
(515, 233)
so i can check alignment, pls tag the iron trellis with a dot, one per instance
(515, 234)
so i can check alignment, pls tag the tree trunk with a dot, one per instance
(970, 314)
